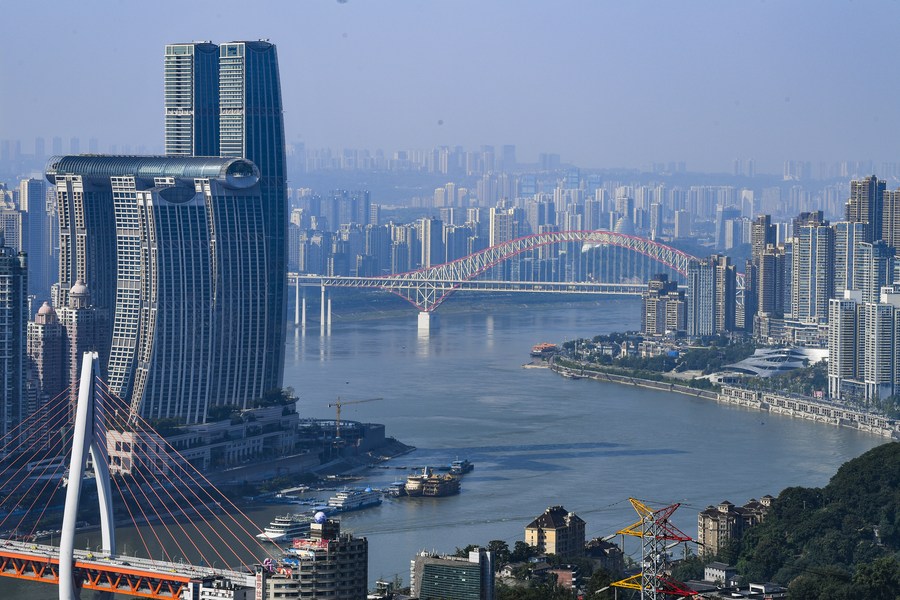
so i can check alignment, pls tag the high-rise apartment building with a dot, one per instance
(249, 125)
(872, 269)
(770, 281)
(664, 309)
(329, 564)
(890, 222)
(36, 236)
(864, 347)
(431, 235)
(13, 323)
(812, 273)
(46, 347)
(866, 205)
(842, 343)
(192, 99)
(762, 233)
(701, 298)
(85, 332)
(847, 236)
(725, 285)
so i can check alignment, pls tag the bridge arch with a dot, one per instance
(428, 287)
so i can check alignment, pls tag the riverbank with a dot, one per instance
(811, 409)
(664, 386)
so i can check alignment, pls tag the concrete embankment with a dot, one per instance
(811, 409)
(664, 386)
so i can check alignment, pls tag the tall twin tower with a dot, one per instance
(184, 255)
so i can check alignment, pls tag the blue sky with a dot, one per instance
(603, 83)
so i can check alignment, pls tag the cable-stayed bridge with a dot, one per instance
(198, 534)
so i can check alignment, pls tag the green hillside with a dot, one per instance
(838, 542)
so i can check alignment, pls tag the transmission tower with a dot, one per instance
(658, 536)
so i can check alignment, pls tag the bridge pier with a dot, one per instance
(322, 312)
(428, 321)
(303, 311)
(86, 439)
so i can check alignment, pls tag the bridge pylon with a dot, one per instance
(88, 436)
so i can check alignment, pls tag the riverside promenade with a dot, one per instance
(804, 407)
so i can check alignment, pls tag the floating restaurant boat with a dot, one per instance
(432, 485)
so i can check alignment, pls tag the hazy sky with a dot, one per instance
(603, 83)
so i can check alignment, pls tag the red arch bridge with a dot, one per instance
(427, 288)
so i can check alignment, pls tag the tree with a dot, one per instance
(601, 578)
(501, 552)
(464, 552)
(522, 552)
(878, 580)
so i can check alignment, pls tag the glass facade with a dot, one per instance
(248, 123)
(188, 276)
(192, 99)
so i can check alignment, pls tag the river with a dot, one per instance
(536, 439)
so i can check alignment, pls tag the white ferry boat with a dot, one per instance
(348, 500)
(285, 528)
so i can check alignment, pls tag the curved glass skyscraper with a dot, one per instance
(249, 124)
(189, 263)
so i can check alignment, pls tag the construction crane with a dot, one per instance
(339, 403)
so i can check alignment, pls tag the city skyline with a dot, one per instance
(614, 86)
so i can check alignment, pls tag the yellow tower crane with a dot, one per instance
(339, 403)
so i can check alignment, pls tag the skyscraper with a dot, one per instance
(872, 269)
(189, 262)
(812, 273)
(249, 125)
(13, 323)
(701, 298)
(192, 99)
(33, 203)
(866, 205)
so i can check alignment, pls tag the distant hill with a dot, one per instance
(838, 542)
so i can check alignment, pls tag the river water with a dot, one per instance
(536, 439)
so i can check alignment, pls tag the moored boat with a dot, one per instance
(461, 467)
(286, 527)
(347, 500)
(431, 484)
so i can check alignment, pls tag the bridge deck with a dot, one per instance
(131, 575)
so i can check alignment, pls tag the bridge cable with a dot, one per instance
(60, 465)
(192, 478)
(190, 485)
(149, 466)
(137, 528)
(35, 437)
(154, 509)
(54, 451)
(28, 423)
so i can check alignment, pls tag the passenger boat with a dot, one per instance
(285, 528)
(461, 467)
(347, 500)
